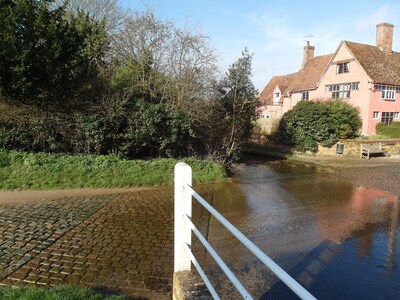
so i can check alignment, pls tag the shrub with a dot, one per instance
(390, 131)
(311, 123)
(154, 130)
(30, 128)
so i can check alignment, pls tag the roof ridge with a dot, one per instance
(368, 45)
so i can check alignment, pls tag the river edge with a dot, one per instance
(24, 196)
(344, 161)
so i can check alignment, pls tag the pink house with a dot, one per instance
(366, 76)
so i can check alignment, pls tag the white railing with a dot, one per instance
(183, 256)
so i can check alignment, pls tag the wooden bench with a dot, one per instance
(368, 149)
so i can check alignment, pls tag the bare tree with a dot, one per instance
(172, 64)
(192, 64)
(142, 46)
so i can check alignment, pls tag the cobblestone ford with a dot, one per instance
(120, 243)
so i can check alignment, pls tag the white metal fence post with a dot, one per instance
(183, 206)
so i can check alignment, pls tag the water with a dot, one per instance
(335, 230)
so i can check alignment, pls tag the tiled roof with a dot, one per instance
(309, 76)
(281, 81)
(381, 67)
(305, 79)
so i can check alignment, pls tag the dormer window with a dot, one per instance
(342, 68)
(276, 97)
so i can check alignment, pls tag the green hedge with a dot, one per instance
(390, 131)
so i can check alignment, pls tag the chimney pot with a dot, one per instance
(384, 37)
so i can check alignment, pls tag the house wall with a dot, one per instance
(381, 105)
(289, 103)
(274, 111)
(358, 98)
(366, 99)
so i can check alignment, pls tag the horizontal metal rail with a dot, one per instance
(202, 274)
(242, 290)
(277, 270)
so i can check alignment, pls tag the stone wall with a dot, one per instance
(352, 147)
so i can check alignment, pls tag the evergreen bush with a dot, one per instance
(311, 123)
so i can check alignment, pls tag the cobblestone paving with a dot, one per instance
(118, 242)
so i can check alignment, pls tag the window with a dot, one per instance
(304, 96)
(396, 115)
(341, 95)
(388, 91)
(387, 117)
(276, 97)
(342, 90)
(342, 68)
(375, 115)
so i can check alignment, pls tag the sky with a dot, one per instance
(276, 31)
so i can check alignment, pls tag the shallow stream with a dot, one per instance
(335, 230)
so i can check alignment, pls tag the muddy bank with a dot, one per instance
(9, 197)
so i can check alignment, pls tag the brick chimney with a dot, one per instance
(308, 53)
(384, 37)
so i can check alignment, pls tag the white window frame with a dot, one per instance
(304, 96)
(388, 92)
(341, 95)
(343, 68)
(276, 97)
(342, 90)
(376, 115)
(387, 117)
(396, 115)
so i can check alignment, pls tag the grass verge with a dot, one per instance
(63, 292)
(40, 171)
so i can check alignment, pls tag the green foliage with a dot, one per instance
(45, 57)
(234, 110)
(22, 170)
(98, 134)
(63, 292)
(155, 130)
(311, 123)
(64, 90)
(146, 130)
(33, 129)
(389, 131)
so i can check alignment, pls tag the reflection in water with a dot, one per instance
(339, 239)
(392, 241)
